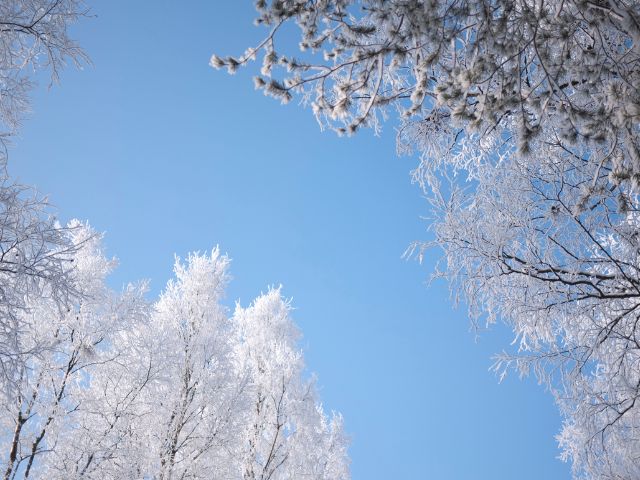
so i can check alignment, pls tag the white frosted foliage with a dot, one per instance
(524, 116)
(117, 387)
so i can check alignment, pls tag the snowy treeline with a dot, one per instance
(105, 385)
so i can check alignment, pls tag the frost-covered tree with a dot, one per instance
(33, 36)
(64, 348)
(36, 261)
(35, 252)
(537, 243)
(483, 64)
(525, 118)
(124, 388)
(231, 400)
(193, 425)
(286, 434)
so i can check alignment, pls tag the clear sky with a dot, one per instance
(167, 155)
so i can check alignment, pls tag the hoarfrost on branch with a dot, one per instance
(525, 117)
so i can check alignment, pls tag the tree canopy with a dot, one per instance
(525, 118)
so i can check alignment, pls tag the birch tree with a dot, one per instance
(286, 433)
(36, 261)
(231, 401)
(174, 389)
(67, 349)
(195, 402)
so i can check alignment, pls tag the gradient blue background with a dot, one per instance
(167, 155)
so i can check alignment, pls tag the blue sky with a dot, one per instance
(167, 155)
